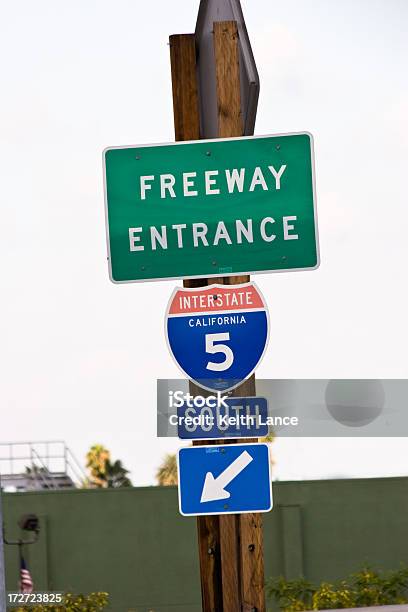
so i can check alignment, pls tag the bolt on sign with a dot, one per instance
(211, 207)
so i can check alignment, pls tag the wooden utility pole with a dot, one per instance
(230, 546)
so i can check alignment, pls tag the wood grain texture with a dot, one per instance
(208, 530)
(252, 562)
(226, 50)
(230, 562)
(184, 86)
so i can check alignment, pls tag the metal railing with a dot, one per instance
(42, 461)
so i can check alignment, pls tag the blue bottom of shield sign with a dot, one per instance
(224, 479)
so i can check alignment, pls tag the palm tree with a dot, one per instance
(103, 473)
(116, 475)
(167, 472)
(96, 459)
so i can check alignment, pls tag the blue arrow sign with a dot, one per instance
(242, 417)
(224, 479)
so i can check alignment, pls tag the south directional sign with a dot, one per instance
(240, 417)
(217, 334)
(212, 207)
(224, 479)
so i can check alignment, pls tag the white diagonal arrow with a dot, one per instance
(214, 488)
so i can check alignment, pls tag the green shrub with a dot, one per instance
(94, 602)
(365, 588)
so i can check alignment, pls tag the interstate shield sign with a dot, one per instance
(217, 334)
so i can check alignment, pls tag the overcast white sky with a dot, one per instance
(80, 356)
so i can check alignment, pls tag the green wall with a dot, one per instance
(134, 544)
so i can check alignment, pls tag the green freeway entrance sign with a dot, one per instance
(211, 208)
